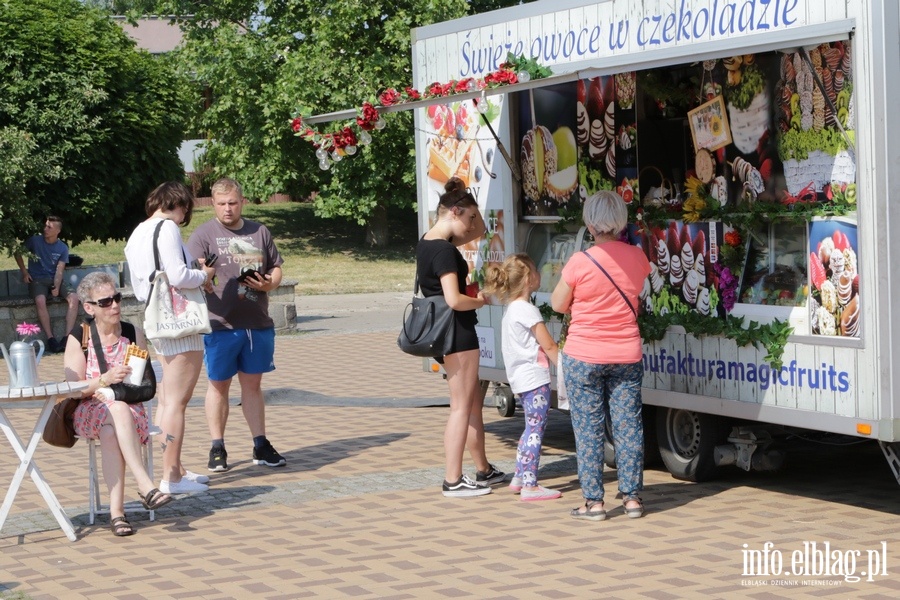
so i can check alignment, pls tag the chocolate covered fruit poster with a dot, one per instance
(578, 138)
(683, 275)
(548, 150)
(834, 300)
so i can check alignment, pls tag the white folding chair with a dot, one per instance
(96, 507)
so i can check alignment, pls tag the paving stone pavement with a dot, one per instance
(357, 512)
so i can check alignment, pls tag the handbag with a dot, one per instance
(60, 429)
(429, 326)
(173, 313)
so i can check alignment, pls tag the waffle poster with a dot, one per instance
(459, 144)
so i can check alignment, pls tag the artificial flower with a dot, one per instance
(27, 329)
(389, 97)
(733, 238)
(726, 286)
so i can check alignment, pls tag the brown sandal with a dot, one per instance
(121, 527)
(155, 499)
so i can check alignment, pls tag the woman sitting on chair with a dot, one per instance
(120, 427)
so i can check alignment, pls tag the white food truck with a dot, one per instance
(755, 143)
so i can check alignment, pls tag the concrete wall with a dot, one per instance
(17, 307)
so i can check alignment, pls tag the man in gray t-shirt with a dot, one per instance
(44, 276)
(242, 342)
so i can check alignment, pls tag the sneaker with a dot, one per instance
(218, 460)
(191, 476)
(491, 477)
(539, 493)
(268, 456)
(465, 488)
(515, 485)
(185, 486)
(53, 346)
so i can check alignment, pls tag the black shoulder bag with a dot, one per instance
(429, 326)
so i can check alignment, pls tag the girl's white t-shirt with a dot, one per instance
(527, 365)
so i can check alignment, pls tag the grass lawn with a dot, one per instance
(326, 256)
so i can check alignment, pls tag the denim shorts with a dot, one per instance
(228, 351)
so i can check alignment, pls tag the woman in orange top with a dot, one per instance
(602, 354)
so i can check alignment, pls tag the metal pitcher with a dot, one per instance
(22, 363)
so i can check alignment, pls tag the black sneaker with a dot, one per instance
(464, 488)
(491, 477)
(53, 346)
(218, 460)
(268, 456)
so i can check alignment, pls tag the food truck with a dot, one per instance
(754, 143)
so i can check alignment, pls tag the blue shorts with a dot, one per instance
(249, 351)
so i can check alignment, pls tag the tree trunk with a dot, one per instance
(377, 232)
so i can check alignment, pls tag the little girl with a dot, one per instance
(528, 351)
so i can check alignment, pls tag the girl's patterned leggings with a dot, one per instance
(536, 403)
(596, 391)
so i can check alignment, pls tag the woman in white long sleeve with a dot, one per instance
(171, 204)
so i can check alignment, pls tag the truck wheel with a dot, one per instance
(504, 401)
(651, 448)
(686, 442)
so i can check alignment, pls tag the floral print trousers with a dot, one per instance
(536, 403)
(595, 391)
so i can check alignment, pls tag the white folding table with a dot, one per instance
(49, 393)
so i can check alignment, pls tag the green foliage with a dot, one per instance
(771, 337)
(262, 60)
(103, 118)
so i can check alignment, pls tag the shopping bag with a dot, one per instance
(173, 313)
(562, 397)
(429, 327)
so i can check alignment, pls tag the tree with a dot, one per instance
(262, 60)
(103, 120)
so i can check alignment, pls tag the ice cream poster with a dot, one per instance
(682, 267)
(834, 303)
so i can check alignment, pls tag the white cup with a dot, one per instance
(137, 370)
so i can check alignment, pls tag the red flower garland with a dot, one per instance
(369, 119)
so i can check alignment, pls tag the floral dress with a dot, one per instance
(91, 412)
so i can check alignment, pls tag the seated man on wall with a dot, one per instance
(44, 277)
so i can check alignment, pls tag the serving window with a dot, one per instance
(726, 165)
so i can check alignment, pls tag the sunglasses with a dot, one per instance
(107, 302)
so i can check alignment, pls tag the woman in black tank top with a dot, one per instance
(441, 269)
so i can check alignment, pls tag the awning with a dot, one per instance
(807, 36)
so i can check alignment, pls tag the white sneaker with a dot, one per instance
(154, 430)
(196, 477)
(185, 486)
(539, 493)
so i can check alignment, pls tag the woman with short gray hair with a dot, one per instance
(602, 355)
(121, 428)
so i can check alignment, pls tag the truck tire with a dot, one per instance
(651, 447)
(686, 442)
(504, 401)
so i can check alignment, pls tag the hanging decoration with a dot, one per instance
(333, 147)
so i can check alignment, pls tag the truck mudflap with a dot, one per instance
(892, 454)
